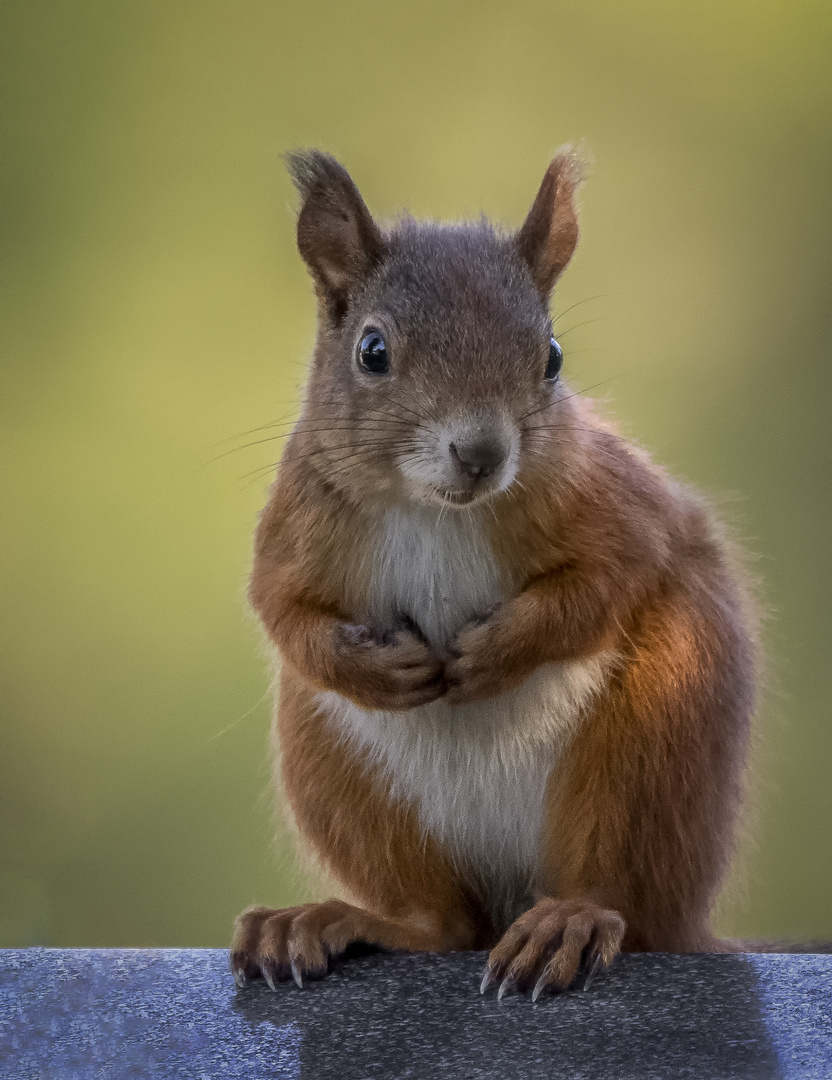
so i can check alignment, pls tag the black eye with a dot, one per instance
(372, 353)
(555, 361)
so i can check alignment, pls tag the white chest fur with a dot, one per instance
(436, 566)
(476, 774)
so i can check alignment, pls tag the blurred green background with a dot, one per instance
(154, 305)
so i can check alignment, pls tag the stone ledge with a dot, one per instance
(175, 1013)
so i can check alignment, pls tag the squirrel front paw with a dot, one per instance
(481, 663)
(293, 943)
(554, 945)
(394, 670)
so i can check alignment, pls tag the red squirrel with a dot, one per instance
(518, 659)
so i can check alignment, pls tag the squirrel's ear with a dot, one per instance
(337, 237)
(549, 234)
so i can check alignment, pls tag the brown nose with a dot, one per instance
(478, 459)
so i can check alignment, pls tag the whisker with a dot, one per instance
(565, 442)
(289, 419)
(315, 419)
(577, 326)
(350, 462)
(598, 296)
(361, 444)
(254, 430)
(567, 397)
(580, 427)
(311, 430)
(240, 719)
(368, 444)
(362, 454)
(416, 413)
(258, 474)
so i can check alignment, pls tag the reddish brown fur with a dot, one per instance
(605, 553)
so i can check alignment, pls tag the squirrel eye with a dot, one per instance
(555, 361)
(372, 354)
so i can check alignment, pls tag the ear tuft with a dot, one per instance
(549, 235)
(337, 237)
(313, 169)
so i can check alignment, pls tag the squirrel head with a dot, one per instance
(435, 370)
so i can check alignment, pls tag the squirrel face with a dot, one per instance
(434, 355)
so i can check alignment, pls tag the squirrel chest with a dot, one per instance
(475, 774)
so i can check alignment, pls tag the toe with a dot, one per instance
(593, 964)
(274, 971)
(543, 942)
(316, 933)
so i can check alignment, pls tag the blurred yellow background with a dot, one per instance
(154, 305)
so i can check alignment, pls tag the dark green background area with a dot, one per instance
(153, 305)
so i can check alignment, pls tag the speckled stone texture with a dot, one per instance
(84, 1014)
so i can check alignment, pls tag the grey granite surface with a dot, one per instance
(83, 1014)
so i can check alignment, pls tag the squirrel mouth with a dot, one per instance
(437, 493)
(455, 498)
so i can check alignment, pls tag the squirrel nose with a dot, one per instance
(478, 459)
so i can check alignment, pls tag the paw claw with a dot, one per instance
(506, 985)
(487, 979)
(539, 986)
(240, 978)
(297, 974)
(594, 967)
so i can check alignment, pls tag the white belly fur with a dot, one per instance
(476, 774)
